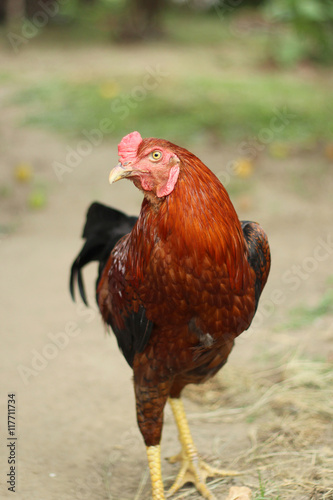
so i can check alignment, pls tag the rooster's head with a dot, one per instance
(151, 164)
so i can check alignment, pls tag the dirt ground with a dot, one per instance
(76, 430)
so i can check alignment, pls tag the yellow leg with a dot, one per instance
(154, 462)
(193, 469)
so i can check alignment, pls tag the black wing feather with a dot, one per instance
(136, 334)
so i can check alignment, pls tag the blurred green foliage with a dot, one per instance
(185, 109)
(235, 97)
(309, 33)
(295, 30)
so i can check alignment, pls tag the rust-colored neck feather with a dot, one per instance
(199, 217)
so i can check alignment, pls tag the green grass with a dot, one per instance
(302, 316)
(262, 494)
(262, 490)
(183, 109)
(200, 29)
(6, 77)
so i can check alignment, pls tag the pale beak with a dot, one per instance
(120, 172)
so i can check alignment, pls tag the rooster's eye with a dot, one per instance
(156, 155)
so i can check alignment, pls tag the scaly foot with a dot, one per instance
(193, 469)
(154, 462)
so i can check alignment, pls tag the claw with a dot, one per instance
(195, 470)
(175, 458)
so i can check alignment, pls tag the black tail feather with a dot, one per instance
(76, 274)
(259, 256)
(73, 276)
(103, 228)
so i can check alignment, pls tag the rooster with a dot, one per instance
(177, 285)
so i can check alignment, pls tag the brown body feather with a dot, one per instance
(187, 264)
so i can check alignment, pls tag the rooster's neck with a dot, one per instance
(154, 201)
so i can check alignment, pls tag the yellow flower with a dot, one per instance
(279, 150)
(37, 198)
(109, 90)
(329, 151)
(23, 172)
(244, 168)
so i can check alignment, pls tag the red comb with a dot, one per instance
(128, 146)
